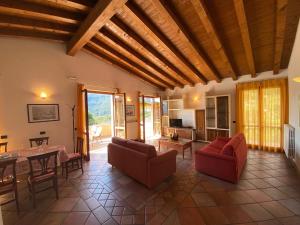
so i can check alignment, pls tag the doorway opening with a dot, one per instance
(150, 118)
(100, 118)
(106, 118)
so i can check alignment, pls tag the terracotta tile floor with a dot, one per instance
(268, 193)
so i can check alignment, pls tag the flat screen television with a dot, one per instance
(175, 122)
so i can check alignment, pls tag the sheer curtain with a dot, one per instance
(262, 109)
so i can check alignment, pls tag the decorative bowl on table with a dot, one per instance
(174, 136)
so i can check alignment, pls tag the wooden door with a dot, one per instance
(85, 124)
(141, 116)
(200, 124)
(156, 117)
(120, 115)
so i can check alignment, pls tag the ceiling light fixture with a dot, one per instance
(43, 95)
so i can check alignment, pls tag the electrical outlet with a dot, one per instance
(4, 137)
(42, 132)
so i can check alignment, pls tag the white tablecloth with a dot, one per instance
(22, 166)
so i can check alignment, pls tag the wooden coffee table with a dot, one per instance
(181, 144)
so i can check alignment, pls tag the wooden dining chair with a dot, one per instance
(8, 182)
(75, 159)
(3, 146)
(38, 141)
(43, 168)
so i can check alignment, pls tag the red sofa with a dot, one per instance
(224, 158)
(140, 161)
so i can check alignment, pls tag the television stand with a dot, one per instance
(183, 132)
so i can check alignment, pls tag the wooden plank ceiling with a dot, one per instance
(167, 43)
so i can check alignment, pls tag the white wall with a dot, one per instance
(29, 66)
(195, 96)
(294, 93)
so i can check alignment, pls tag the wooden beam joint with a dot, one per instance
(99, 15)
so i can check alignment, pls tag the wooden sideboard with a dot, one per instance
(186, 133)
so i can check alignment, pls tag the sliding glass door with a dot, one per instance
(150, 117)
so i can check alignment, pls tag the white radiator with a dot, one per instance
(289, 141)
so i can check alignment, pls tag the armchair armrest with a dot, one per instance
(161, 167)
(164, 157)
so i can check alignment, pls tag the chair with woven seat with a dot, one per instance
(43, 168)
(3, 146)
(38, 141)
(75, 159)
(8, 182)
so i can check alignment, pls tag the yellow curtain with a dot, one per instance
(248, 112)
(262, 109)
(81, 117)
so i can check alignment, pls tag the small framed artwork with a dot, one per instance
(38, 113)
(130, 110)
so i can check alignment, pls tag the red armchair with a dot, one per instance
(224, 158)
(140, 161)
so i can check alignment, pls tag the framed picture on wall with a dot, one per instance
(38, 113)
(130, 110)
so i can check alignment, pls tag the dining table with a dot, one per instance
(22, 163)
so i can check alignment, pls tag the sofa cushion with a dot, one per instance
(219, 142)
(149, 150)
(233, 144)
(119, 141)
(210, 148)
(227, 150)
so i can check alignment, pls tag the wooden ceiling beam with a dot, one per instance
(106, 34)
(7, 31)
(9, 21)
(244, 30)
(170, 16)
(134, 36)
(108, 59)
(80, 5)
(33, 10)
(208, 24)
(280, 24)
(128, 61)
(138, 15)
(98, 16)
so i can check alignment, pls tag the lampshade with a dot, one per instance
(43, 95)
